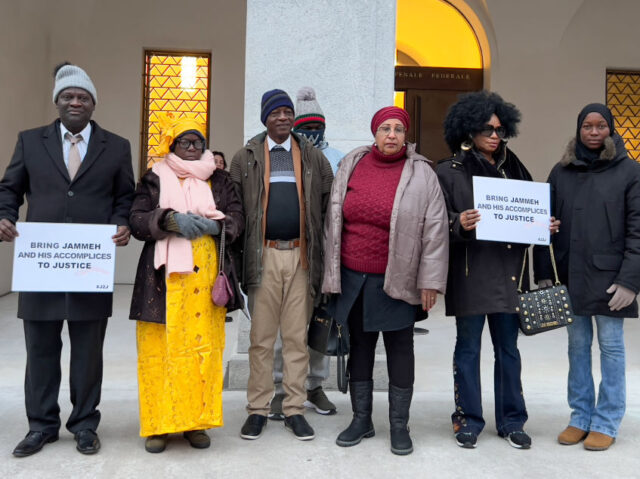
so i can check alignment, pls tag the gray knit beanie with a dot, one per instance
(307, 108)
(72, 76)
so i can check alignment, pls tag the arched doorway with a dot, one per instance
(438, 57)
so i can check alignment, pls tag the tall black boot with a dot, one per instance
(399, 404)
(361, 393)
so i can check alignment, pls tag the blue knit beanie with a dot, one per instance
(274, 99)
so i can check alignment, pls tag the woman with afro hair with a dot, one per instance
(482, 281)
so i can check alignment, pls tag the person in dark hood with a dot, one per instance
(482, 282)
(595, 191)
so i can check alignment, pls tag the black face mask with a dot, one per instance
(314, 136)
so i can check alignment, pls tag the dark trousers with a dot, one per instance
(43, 374)
(510, 410)
(398, 345)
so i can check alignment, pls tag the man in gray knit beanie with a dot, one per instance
(74, 172)
(70, 76)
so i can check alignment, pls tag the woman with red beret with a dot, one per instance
(386, 258)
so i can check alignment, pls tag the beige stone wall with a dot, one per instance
(551, 60)
(549, 57)
(107, 38)
(24, 77)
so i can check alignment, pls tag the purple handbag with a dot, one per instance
(221, 293)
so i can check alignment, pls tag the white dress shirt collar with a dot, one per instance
(83, 145)
(286, 144)
(86, 132)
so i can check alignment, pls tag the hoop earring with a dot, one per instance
(467, 144)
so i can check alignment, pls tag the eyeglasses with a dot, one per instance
(186, 144)
(386, 130)
(487, 130)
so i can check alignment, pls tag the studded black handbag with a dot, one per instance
(544, 309)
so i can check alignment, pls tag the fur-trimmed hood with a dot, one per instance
(607, 154)
(599, 243)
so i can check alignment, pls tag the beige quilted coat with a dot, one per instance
(419, 234)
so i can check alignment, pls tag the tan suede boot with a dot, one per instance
(596, 441)
(571, 435)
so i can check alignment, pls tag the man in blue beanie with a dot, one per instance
(309, 123)
(285, 184)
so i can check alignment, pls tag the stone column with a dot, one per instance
(346, 52)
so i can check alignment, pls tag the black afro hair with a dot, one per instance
(471, 113)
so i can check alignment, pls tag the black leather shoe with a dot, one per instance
(253, 426)
(87, 442)
(33, 442)
(299, 426)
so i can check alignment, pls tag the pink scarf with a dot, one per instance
(192, 195)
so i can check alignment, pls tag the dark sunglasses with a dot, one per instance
(185, 144)
(487, 130)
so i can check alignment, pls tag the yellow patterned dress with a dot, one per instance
(180, 363)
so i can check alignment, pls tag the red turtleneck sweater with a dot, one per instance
(367, 211)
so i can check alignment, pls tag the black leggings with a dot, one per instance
(398, 345)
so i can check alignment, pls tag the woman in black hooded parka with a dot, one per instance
(595, 192)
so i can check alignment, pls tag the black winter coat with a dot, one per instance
(100, 193)
(599, 239)
(483, 275)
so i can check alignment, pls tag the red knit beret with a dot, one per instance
(387, 113)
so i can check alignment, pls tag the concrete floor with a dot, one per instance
(278, 454)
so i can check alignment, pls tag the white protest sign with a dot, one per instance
(70, 257)
(512, 211)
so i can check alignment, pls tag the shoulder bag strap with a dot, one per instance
(221, 257)
(524, 265)
(553, 264)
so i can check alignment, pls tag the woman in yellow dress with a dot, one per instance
(178, 210)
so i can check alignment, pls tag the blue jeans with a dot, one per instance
(510, 410)
(605, 414)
